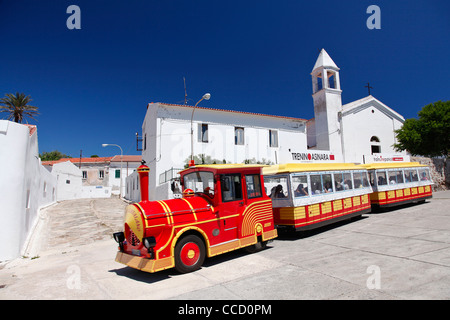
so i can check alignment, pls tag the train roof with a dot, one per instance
(305, 167)
(225, 166)
(391, 165)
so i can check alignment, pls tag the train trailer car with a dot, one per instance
(223, 208)
(308, 195)
(398, 183)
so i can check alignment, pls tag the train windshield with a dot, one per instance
(200, 182)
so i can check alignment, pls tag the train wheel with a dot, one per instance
(189, 254)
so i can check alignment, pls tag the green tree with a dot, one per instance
(429, 135)
(52, 156)
(17, 106)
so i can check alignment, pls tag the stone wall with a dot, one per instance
(440, 171)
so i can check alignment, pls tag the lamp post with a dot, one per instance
(121, 156)
(206, 96)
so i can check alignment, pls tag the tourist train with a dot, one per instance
(232, 206)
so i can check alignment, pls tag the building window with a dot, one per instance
(101, 174)
(317, 82)
(117, 173)
(331, 80)
(273, 138)
(239, 136)
(202, 132)
(84, 172)
(145, 142)
(375, 145)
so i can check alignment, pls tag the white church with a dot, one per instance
(355, 132)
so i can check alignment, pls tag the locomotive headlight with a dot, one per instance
(149, 242)
(119, 237)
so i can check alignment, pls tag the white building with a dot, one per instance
(119, 169)
(339, 133)
(98, 177)
(223, 135)
(25, 186)
(68, 179)
(354, 130)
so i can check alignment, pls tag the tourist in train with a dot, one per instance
(317, 188)
(300, 191)
(279, 192)
(381, 181)
(338, 185)
(328, 188)
(347, 184)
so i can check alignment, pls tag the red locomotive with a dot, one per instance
(223, 208)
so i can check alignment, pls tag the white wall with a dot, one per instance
(95, 192)
(360, 126)
(132, 191)
(25, 186)
(69, 182)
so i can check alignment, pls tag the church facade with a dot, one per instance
(354, 132)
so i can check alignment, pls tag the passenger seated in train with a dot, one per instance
(347, 184)
(301, 191)
(317, 188)
(277, 192)
(328, 188)
(381, 181)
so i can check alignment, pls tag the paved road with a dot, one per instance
(399, 254)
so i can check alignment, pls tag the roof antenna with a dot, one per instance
(185, 92)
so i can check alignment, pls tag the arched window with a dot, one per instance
(375, 145)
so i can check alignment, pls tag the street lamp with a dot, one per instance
(121, 155)
(206, 96)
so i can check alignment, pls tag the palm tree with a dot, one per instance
(17, 106)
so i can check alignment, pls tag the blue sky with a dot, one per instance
(92, 85)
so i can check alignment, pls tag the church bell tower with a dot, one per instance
(327, 104)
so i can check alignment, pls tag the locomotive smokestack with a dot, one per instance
(143, 171)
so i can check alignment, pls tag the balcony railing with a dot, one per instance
(169, 175)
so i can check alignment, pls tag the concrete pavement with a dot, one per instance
(397, 254)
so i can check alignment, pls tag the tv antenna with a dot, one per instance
(185, 92)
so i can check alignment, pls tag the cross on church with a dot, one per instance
(368, 87)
